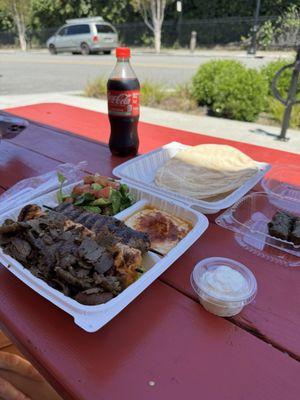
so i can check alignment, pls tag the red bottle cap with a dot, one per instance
(123, 52)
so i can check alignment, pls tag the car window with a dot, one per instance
(62, 31)
(104, 29)
(78, 29)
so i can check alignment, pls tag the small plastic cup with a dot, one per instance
(223, 305)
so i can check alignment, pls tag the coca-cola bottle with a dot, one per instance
(123, 95)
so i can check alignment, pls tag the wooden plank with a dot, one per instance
(17, 163)
(274, 315)
(65, 147)
(163, 345)
(95, 125)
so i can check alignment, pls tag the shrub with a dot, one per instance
(276, 111)
(152, 93)
(96, 88)
(203, 83)
(230, 89)
(283, 83)
(241, 96)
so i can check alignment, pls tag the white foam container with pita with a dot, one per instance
(142, 170)
(92, 318)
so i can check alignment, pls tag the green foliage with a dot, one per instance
(96, 88)
(6, 20)
(152, 93)
(61, 180)
(266, 35)
(204, 81)
(147, 40)
(180, 99)
(283, 83)
(230, 89)
(194, 9)
(53, 13)
(241, 96)
(276, 111)
(285, 29)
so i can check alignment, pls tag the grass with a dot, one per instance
(152, 94)
(276, 111)
(96, 88)
(179, 98)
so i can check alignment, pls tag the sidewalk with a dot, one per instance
(217, 52)
(185, 52)
(261, 135)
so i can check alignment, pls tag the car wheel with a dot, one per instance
(107, 52)
(52, 49)
(84, 48)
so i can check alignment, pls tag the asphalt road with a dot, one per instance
(26, 73)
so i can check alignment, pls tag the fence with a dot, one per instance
(210, 32)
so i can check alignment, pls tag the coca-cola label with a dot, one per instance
(124, 103)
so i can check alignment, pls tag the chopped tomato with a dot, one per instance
(114, 185)
(80, 189)
(68, 200)
(105, 192)
(88, 179)
(102, 180)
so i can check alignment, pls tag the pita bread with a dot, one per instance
(206, 171)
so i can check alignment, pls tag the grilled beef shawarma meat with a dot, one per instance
(107, 229)
(69, 256)
(30, 211)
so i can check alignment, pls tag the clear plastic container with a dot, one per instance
(249, 218)
(225, 305)
(282, 182)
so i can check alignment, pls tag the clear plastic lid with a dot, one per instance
(244, 296)
(283, 181)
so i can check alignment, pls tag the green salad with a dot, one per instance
(98, 194)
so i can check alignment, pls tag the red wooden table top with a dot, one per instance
(164, 336)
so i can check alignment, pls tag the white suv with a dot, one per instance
(85, 36)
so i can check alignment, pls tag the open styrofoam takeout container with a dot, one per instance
(142, 170)
(92, 318)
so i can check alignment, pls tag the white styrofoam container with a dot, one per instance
(92, 318)
(142, 170)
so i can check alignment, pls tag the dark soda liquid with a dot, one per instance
(123, 139)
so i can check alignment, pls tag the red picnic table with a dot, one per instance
(164, 344)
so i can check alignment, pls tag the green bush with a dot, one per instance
(230, 89)
(283, 83)
(204, 81)
(276, 111)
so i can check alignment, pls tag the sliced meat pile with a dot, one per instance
(108, 229)
(71, 257)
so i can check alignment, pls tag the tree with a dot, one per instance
(53, 13)
(20, 12)
(153, 12)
